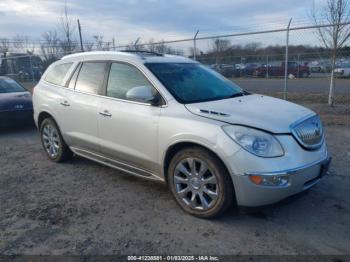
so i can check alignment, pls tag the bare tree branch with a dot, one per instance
(336, 12)
(67, 27)
(50, 48)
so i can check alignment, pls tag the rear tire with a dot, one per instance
(200, 183)
(55, 147)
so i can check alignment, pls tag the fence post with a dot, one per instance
(80, 38)
(267, 66)
(195, 46)
(31, 68)
(286, 62)
(298, 76)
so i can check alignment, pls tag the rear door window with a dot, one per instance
(91, 77)
(57, 74)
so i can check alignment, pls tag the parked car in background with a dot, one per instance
(249, 69)
(29, 74)
(22, 66)
(319, 67)
(278, 69)
(171, 119)
(15, 103)
(225, 69)
(342, 70)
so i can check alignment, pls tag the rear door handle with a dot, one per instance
(65, 103)
(106, 113)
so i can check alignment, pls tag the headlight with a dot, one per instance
(255, 141)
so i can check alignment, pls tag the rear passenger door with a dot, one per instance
(128, 129)
(55, 91)
(83, 104)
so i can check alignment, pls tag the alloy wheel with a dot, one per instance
(51, 140)
(196, 184)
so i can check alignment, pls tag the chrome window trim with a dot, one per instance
(113, 98)
(51, 84)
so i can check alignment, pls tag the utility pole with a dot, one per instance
(113, 43)
(81, 40)
(286, 63)
(195, 45)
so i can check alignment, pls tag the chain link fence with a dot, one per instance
(256, 60)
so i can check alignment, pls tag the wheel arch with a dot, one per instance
(178, 146)
(43, 115)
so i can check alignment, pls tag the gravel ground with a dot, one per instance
(81, 207)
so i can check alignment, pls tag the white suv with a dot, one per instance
(171, 119)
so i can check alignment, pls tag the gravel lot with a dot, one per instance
(81, 207)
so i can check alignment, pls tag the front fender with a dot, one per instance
(213, 139)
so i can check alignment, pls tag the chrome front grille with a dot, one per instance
(309, 132)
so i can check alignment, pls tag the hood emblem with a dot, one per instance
(316, 128)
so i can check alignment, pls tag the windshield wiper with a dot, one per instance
(244, 93)
(237, 95)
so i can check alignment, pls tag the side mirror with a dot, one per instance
(141, 94)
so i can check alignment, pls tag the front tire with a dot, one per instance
(52, 141)
(200, 183)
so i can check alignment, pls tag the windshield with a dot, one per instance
(8, 85)
(344, 65)
(192, 82)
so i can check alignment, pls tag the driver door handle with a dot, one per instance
(65, 103)
(105, 113)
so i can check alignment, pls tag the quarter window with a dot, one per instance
(57, 73)
(122, 78)
(91, 77)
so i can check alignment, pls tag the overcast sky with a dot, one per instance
(159, 19)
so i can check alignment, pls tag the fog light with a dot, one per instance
(270, 180)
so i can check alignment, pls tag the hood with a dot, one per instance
(15, 101)
(263, 112)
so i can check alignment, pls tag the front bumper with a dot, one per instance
(339, 73)
(301, 178)
(8, 118)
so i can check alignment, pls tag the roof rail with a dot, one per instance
(141, 52)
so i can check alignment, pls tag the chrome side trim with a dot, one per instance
(116, 164)
(288, 171)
